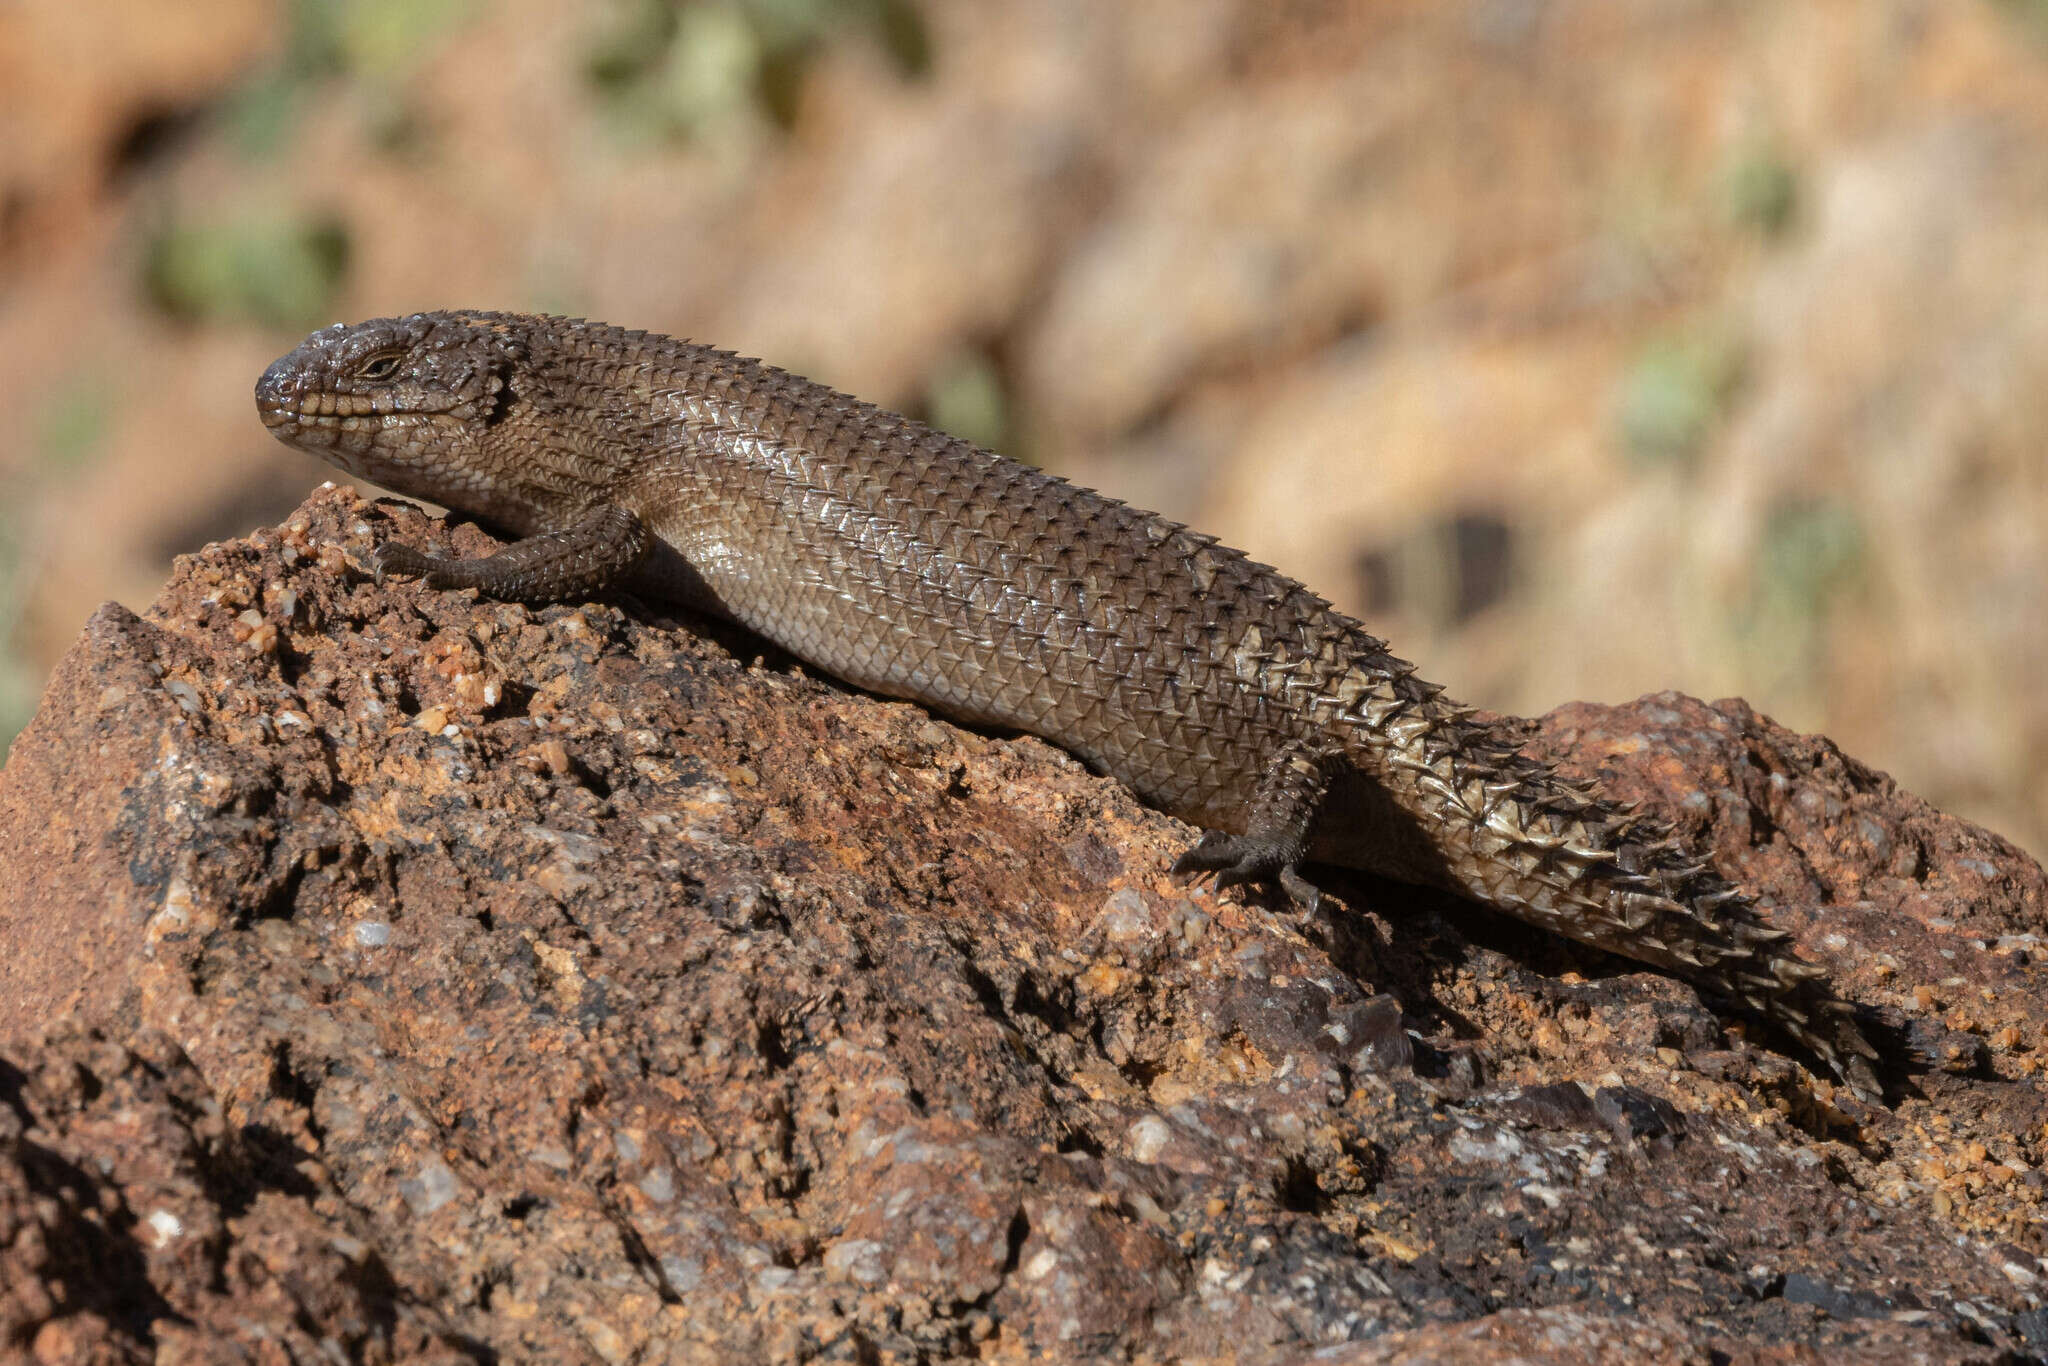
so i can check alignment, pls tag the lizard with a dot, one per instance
(917, 565)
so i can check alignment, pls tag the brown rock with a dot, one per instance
(556, 984)
(137, 1225)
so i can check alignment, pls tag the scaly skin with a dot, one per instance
(913, 564)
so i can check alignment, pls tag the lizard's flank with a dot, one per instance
(917, 565)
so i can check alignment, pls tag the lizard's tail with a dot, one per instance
(1547, 851)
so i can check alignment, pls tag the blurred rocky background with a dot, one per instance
(1583, 348)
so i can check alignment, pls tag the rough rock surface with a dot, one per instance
(392, 975)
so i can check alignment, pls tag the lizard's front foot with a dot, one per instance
(598, 552)
(1238, 859)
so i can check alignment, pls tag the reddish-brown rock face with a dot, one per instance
(423, 977)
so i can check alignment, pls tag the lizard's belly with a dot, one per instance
(1129, 706)
(1144, 693)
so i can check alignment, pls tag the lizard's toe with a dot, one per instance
(1238, 859)
(1306, 896)
(1213, 851)
(394, 560)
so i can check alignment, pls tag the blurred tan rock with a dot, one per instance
(1720, 321)
(78, 79)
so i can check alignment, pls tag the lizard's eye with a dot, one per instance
(378, 367)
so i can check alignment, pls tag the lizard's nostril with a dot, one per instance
(276, 398)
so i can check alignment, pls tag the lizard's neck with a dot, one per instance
(538, 470)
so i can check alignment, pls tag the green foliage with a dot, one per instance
(1762, 189)
(1811, 555)
(1813, 551)
(73, 423)
(17, 704)
(376, 42)
(2030, 15)
(633, 48)
(283, 273)
(965, 397)
(68, 430)
(260, 114)
(1675, 394)
(713, 69)
(688, 67)
(386, 40)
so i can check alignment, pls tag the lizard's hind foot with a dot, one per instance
(1283, 808)
(1240, 859)
(394, 560)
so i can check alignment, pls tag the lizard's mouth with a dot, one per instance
(295, 417)
(296, 411)
(288, 422)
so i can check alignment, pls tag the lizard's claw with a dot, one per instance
(393, 560)
(1237, 859)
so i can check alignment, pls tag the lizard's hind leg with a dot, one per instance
(1282, 812)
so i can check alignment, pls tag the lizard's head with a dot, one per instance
(394, 400)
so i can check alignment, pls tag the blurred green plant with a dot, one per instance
(2032, 15)
(17, 703)
(1813, 552)
(280, 272)
(377, 42)
(69, 429)
(1676, 392)
(389, 39)
(965, 397)
(13, 714)
(1811, 555)
(72, 425)
(17, 696)
(685, 68)
(1760, 188)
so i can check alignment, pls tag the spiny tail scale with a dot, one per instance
(1514, 834)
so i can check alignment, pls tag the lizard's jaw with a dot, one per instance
(302, 418)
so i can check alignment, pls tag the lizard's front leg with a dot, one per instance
(1283, 811)
(601, 551)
